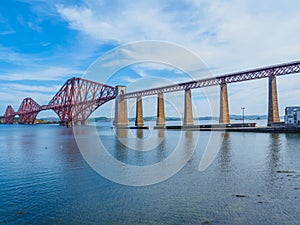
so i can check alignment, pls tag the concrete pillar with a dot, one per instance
(161, 133)
(224, 107)
(273, 114)
(84, 122)
(139, 119)
(188, 109)
(161, 119)
(121, 114)
(121, 133)
(140, 133)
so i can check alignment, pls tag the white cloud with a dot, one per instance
(5, 27)
(42, 74)
(113, 22)
(33, 88)
(16, 99)
(228, 35)
(9, 55)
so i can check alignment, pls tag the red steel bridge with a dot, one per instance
(79, 98)
(74, 102)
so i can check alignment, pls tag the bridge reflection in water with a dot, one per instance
(136, 157)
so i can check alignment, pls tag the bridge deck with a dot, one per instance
(263, 72)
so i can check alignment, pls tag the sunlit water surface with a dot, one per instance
(255, 179)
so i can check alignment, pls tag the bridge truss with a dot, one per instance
(78, 98)
(277, 70)
(73, 103)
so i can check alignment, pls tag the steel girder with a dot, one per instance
(9, 115)
(28, 111)
(277, 70)
(74, 102)
(79, 98)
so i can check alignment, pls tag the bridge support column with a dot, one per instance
(224, 107)
(188, 109)
(84, 122)
(161, 119)
(273, 114)
(139, 119)
(121, 115)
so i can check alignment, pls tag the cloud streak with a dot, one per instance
(42, 74)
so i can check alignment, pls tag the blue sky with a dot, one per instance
(45, 42)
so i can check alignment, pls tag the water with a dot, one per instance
(44, 179)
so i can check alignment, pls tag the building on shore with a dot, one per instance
(292, 116)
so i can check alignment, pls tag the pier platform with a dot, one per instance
(234, 128)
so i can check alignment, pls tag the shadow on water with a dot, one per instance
(274, 151)
(139, 157)
(189, 143)
(273, 158)
(120, 149)
(225, 153)
(161, 153)
(161, 133)
(132, 146)
(140, 133)
(144, 147)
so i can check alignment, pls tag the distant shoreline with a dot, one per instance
(52, 120)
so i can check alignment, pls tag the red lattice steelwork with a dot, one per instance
(73, 103)
(9, 115)
(78, 98)
(28, 111)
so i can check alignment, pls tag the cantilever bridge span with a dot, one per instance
(78, 98)
(73, 103)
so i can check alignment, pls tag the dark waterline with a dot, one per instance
(44, 179)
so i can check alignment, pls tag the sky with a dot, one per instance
(45, 42)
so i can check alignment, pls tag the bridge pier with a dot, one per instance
(84, 122)
(121, 114)
(224, 107)
(161, 119)
(188, 109)
(139, 119)
(273, 114)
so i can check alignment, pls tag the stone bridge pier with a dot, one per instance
(188, 118)
(121, 114)
(224, 117)
(161, 118)
(273, 114)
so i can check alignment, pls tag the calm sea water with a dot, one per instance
(44, 179)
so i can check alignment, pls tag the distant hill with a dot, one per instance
(249, 117)
(49, 119)
(153, 118)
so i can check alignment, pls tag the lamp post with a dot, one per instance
(243, 109)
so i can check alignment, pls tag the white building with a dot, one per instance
(292, 116)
